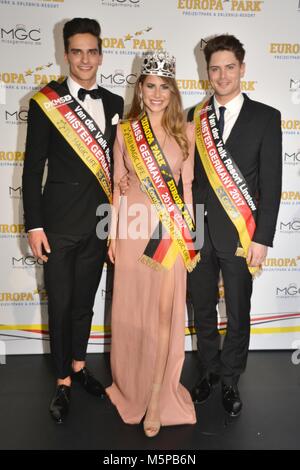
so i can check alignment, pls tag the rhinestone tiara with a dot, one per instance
(158, 63)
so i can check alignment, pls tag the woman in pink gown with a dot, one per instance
(148, 307)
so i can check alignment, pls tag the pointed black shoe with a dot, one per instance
(231, 400)
(89, 383)
(59, 406)
(202, 391)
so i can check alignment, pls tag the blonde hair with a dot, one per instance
(173, 120)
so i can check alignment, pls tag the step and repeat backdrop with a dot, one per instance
(31, 50)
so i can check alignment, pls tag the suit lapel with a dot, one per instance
(242, 121)
(108, 115)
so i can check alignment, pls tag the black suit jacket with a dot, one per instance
(71, 193)
(255, 143)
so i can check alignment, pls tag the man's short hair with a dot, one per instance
(224, 42)
(81, 26)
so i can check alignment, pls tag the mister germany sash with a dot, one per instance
(78, 129)
(225, 177)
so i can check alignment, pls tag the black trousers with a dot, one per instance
(203, 291)
(72, 276)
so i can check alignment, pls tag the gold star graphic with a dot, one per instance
(138, 33)
(28, 72)
(128, 37)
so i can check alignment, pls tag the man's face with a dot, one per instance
(83, 58)
(225, 73)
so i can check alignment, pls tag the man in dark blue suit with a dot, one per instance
(250, 134)
(72, 125)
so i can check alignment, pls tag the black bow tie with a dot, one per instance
(95, 94)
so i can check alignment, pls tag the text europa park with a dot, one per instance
(12, 156)
(282, 262)
(185, 84)
(39, 295)
(218, 5)
(13, 78)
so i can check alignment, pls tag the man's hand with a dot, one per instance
(37, 241)
(256, 254)
(123, 184)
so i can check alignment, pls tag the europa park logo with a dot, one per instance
(285, 50)
(36, 297)
(290, 126)
(12, 230)
(11, 158)
(33, 78)
(201, 87)
(282, 264)
(132, 43)
(232, 8)
(291, 198)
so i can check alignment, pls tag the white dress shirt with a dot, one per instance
(232, 111)
(231, 114)
(93, 107)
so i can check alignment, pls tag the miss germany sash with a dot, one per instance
(225, 177)
(79, 130)
(176, 229)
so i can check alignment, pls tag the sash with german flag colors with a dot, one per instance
(175, 232)
(225, 177)
(79, 129)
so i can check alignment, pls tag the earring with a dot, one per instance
(141, 101)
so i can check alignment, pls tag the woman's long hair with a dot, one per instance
(173, 120)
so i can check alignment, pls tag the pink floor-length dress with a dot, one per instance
(135, 305)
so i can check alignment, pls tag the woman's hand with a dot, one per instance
(124, 184)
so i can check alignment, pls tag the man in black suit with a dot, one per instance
(72, 125)
(251, 132)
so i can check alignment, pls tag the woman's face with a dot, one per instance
(156, 94)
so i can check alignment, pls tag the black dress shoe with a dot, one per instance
(231, 400)
(201, 391)
(214, 379)
(89, 383)
(59, 406)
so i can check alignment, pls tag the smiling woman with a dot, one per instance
(154, 147)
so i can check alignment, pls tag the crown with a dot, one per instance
(159, 63)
